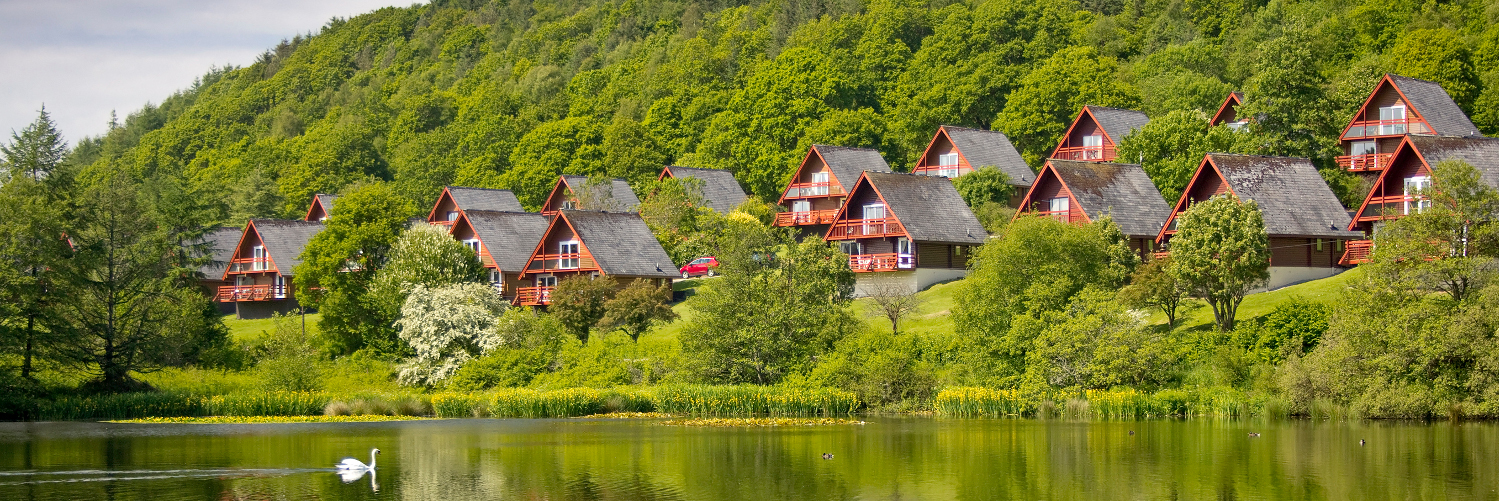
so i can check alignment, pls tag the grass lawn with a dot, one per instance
(245, 330)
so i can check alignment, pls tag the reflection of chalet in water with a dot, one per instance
(1399, 188)
(322, 205)
(1083, 192)
(455, 200)
(1303, 218)
(260, 270)
(1399, 106)
(905, 229)
(1095, 134)
(1228, 112)
(603, 245)
(955, 151)
(577, 193)
(822, 181)
(503, 241)
(721, 192)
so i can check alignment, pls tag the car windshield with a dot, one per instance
(701, 260)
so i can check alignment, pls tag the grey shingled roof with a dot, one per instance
(469, 199)
(1121, 191)
(284, 240)
(1480, 152)
(1117, 122)
(988, 147)
(1292, 196)
(929, 207)
(621, 243)
(721, 192)
(847, 163)
(220, 244)
(326, 201)
(621, 197)
(510, 237)
(1436, 106)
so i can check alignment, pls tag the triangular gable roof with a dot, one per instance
(320, 201)
(1121, 191)
(1291, 195)
(1480, 152)
(845, 164)
(283, 240)
(510, 237)
(988, 147)
(621, 197)
(619, 242)
(1425, 100)
(468, 199)
(721, 192)
(1229, 108)
(220, 243)
(928, 207)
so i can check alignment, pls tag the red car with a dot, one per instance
(700, 267)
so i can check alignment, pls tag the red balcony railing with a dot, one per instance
(1059, 215)
(1356, 252)
(807, 190)
(1160, 254)
(568, 262)
(1093, 153)
(942, 170)
(251, 265)
(864, 263)
(1375, 128)
(862, 228)
(1390, 207)
(233, 293)
(533, 296)
(805, 217)
(1372, 162)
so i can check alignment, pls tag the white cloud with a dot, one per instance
(84, 58)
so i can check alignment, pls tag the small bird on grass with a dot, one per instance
(1132, 432)
(1253, 434)
(1360, 442)
(827, 455)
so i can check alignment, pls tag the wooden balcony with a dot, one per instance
(235, 293)
(805, 217)
(251, 265)
(812, 190)
(533, 296)
(1386, 208)
(1064, 216)
(867, 263)
(1086, 153)
(1160, 254)
(1373, 162)
(1377, 128)
(1356, 252)
(442, 222)
(937, 170)
(561, 262)
(866, 228)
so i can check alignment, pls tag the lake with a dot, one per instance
(886, 458)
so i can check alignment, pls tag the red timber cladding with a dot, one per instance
(1391, 184)
(934, 255)
(1049, 186)
(811, 167)
(941, 145)
(562, 232)
(1208, 186)
(439, 214)
(561, 193)
(1086, 126)
(1386, 95)
(316, 211)
(462, 231)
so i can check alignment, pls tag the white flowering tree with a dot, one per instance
(447, 326)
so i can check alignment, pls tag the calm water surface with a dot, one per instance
(888, 458)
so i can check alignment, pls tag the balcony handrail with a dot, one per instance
(259, 292)
(539, 262)
(533, 296)
(1368, 162)
(794, 218)
(1397, 126)
(247, 264)
(888, 261)
(873, 227)
(813, 189)
(1103, 152)
(1356, 252)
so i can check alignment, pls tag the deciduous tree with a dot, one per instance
(1221, 252)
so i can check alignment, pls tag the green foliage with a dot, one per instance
(285, 358)
(1292, 329)
(424, 255)
(1171, 147)
(637, 307)
(1221, 252)
(446, 326)
(987, 184)
(1094, 343)
(1037, 114)
(881, 368)
(34, 152)
(1451, 246)
(531, 342)
(1439, 55)
(1153, 286)
(578, 303)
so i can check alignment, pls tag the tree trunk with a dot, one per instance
(26, 357)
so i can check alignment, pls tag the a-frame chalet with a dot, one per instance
(721, 192)
(1095, 134)
(576, 193)
(955, 151)
(1228, 112)
(1398, 189)
(822, 181)
(1083, 192)
(1306, 224)
(218, 247)
(455, 200)
(603, 245)
(905, 229)
(503, 241)
(261, 268)
(1399, 106)
(322, 206)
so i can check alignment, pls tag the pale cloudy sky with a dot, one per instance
(84, 58)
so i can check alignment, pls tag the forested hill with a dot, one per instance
(511, 94)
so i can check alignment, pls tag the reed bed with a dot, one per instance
(1106, 404)
(119, 406)
(682, 399)
(278, 403)
(747, 400)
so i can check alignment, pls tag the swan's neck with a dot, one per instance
(372, 460)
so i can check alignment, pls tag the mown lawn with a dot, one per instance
(245, 330)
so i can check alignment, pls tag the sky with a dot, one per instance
(83, 58)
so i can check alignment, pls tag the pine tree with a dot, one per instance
(35, 151)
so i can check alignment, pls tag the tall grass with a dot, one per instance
(680, 399)
(119, 406)
(278, 403)
(752, 400)
(1108, 404)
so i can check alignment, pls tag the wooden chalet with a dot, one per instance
(955, 151)
(1228, 112)
(503, 241)
(1399, 106)
(322, 206)
(604, 245)
(455, 200)
(1083, 192)
(1397, 189)
(1095, 134)
(260, 270)
(821, 183)
(569, 194)
(907, 229)
(217, 246)
(721, 192)
(1306, 224)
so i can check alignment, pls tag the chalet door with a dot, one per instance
(545, 283)
(819, 185)
(1092, 147)
(472, 244)
(905, 253)
(801, 206)
(1392, 120)
(1414, 188)
(1059, 208)
(948, 165)
(874, 219)
(567, 255)
(497, 279)
(259, 264)
(278, 287)
(452, 215)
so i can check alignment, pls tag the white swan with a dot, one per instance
(351, 464)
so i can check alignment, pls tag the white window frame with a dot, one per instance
(818, 177)
(472, 244)
(1413, 187)
(905, 253)
(801, 206)
(569, 205)
(878, 211)
(1059, 204)
(1093, 147)
(278, 286)
(1387, 113)
(1363, 148)
(262, 259)
(565, 248)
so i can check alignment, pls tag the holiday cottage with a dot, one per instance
(1095, 134)
(720, 191)
(261, 268)
(503, 241)
(1228, 112)
(603, 245)
(1398, 189)
(581, 193)
(822, 181)
(1084, 192)
(955, 151)
(455, 200)
(322, 206)
(1399, 106)
(906, 230)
